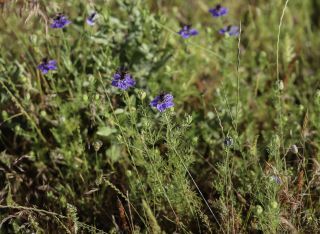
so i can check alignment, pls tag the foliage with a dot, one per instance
(238, 153)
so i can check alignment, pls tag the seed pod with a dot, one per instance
(97, 145)
(259, 210)
(142, 95)
(274, 204)
(294, 149)
(280, 85)
(228, 141)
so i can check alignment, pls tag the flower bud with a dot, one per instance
(228, 141)
(280, 85)
(97, 145)
(259, 210)
(274, 205)
(142, 94)
(294, 149)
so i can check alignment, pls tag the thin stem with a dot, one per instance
(123, 135)
(191, 43)
(193, 181)
(238, 77)
(278, 75)
(55, 215)
(16, 101)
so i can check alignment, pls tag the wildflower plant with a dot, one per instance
(72, 148)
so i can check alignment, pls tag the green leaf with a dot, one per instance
(106, 131)
(114, 153)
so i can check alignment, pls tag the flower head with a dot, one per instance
(218, 11)
(46, 65)
(60, 21)
(187, 32)
(228, 141)
(276, 179)
(91, 20)
(230, 30)
(162, 102)
(122, 80)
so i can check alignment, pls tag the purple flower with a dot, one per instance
(218, 11)
(187, 32)
(46, 65)
(60, 21)
(230, 30)
(276, 179)
(123, 80)
(162, 102)
(91, 20)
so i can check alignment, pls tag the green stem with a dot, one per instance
(16, 101)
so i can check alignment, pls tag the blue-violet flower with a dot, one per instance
(46, 65)
(91, 20)
(218, 11)
(187, 32)
(123, 80)
(230, 30)
(162, 102)
(60, 21)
